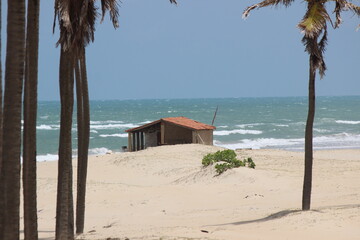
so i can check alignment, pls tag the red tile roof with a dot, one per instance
(181, 121)
(189, 123)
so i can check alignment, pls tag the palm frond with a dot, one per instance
(62, 13)
(322, 48)
(315, 19)
(352, 7)
(77, 19)
(85, 24)
(316, 50)
(266, 3)
(324, 40)
(173, 1)
(337, 11)
(343, 5)
(112, 7)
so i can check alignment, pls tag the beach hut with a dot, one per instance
(169, 131)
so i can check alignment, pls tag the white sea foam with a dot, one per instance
(260, 143)
(347, 122)
(236, 131)
(281, 125)
(146, 122)
(44, 117)
(222, 126)
(45, 127)
(299, 123)
(249, 125)
(114, 126)
(121, 135)
(99, 151)
(55, 157)
(105, 122)
(336, 141)
(47, 157)
(93, 131)
(321, 130)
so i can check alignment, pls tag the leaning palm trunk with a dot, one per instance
(14, 72)
(30, 111)
(64, 209)
(306, 200)
(83, 141)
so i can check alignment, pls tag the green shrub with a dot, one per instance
(225, 156)
(250, 163)
(227, 159)
(208, 160)
(222, 167)
(238, 163)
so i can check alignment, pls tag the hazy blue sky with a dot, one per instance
(202, 48)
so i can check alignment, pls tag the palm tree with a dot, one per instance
(77, 26)
(30, 111)
(83, 106)
(314, 27)
(14, 71)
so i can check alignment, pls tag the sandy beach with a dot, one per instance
(165, 193)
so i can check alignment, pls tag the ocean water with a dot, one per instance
(241, 122)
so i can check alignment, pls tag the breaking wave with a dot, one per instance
(121, 135)
(113, 126)
(336, 141)
(55, 157)
(236, 131)
(347, 122)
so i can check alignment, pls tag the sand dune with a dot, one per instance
(165, 193)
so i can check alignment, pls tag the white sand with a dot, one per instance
(165, 193)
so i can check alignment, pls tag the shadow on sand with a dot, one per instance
(265, 219)
(285, 213)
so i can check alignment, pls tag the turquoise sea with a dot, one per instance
(241, 122)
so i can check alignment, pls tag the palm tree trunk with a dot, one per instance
(14, 72)
(79, 109)
(80, 124)
(306, 201)
(84, 143)
(30, 111)
(1, 131)
(1, 101)
(64, 208)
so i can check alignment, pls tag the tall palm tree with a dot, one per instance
(14, 72)
(77, 26)
(30, 112)
(83, 106)
(314, 27)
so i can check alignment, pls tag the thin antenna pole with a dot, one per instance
(212, 123)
